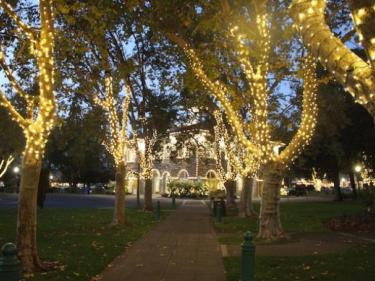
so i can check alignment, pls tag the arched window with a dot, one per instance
(183, 174)
(211, 174)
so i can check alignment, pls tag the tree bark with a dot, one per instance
(230, 186)
(27, 215)
(353, 185)
(269, 220)
(337, 188)
(43, 186)
(119, 211)
(246, 200)
(148, 195)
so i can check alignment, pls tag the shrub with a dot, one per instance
(187, 189)
(367, 194)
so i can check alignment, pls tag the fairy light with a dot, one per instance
(4, 165)
(145, 157)
(116, 142)
(356, 75)
(252, 146)
(41, 110)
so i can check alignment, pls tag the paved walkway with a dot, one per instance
(181, 248)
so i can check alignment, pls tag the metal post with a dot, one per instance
(219, 210)
(157, 213)
(248, 258)
(173, 202)
(10, 266)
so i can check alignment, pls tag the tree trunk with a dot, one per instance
(365, 25)
(337, 188)
(353, 73)
(43, 186)
(269, 220)
(230, 186)
(148, 195)
(138, 187)
(353, 185)
(119, 211)
(246, 200)
(27, 214)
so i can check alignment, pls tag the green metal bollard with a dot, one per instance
(174, 202)
(10, 266)
(157, 213)
(219, 211)
(248, 258)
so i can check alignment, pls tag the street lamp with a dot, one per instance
(16, 169)
(358, 168)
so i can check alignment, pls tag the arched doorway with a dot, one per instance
(164, 182)
(155, 181)
(212, 180)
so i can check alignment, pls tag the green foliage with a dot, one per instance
(217, 193)
(187, 189)
(367, 195)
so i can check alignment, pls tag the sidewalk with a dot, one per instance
(181, 248)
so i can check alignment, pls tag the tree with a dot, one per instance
(116, 143)
(238, 164)
(355, 74)
(344, 134)
(254, 133)
(36, 125)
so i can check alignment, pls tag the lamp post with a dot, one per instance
(357, 169)
(16, 171)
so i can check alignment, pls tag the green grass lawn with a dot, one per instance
(81, 239)
(345, 265)
(295, 217)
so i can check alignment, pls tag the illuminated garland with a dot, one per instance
(116, 142)
(356, 75)
(146, 157)
(239, 159)
(40, 119)
(4, 164)
(256, 142)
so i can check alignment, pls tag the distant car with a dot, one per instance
(299, 190)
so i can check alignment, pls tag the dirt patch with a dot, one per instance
(303, 244)
(359, 223)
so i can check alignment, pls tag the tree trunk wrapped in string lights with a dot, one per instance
(36, 126)
(351, 71)
(238, 164)
(254, 133)
(145, 157)
(116, 143)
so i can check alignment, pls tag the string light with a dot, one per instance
(355, 74)
(253, 137)
(116, 142)
(4, 165)
(36, 128)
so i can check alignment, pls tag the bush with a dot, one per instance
(219, 193)
(367, 194)
(187, 189)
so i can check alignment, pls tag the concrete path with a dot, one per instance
(181, 248)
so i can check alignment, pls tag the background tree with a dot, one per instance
(238, 164)
(116, 142)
